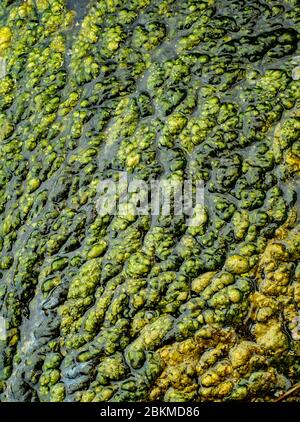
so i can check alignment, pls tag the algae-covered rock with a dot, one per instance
(120, 305)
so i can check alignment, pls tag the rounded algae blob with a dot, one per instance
(131, 307)
(5, 38)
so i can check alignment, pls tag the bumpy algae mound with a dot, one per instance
(129, 308)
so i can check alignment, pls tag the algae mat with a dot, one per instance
(141, 307)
